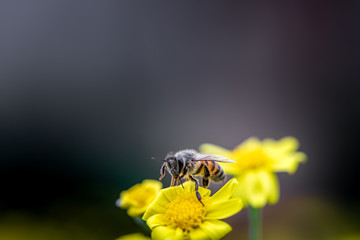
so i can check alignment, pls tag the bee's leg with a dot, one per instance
(196, 189)
(183, 175)
(172, 181)
(205, 179)
(181, 182)
(205, 182)
(162, 171)
(177, 181)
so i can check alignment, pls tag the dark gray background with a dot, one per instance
(90, 91)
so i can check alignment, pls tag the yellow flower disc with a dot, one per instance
(177, 214)
(185, 212)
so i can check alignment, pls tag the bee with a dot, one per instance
(186, 164)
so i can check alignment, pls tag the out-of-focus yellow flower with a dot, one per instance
(134, 236)
(256, 164)
(176, 213)
(137, 198)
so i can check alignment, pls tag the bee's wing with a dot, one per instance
(211, 157)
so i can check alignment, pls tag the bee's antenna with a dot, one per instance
(157, 159)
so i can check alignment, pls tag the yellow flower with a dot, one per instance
(176, 213)
(137, 198)
(256, 164)
(134, 236)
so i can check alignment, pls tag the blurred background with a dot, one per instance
(91, 91)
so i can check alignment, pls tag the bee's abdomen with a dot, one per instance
(216, 172)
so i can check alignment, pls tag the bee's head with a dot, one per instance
(172, 165)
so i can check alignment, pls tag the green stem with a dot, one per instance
(142, 224)
(254, 223)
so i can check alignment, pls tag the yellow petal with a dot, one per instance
(190, 187)
(204, 192)
(261, 187)
(158, 205)
(247, 146)
(289, 163)
(286, 144)
(179, 234)
(226, 191)
(135, 211)
(269, 182)
(283, 154)
(223, 209)
(208, 148)
(170, 193)
(156, 220)
(138, 197)
(198, 234)
(240, 191)
(163, 233)
(255, 190)
(125, 201)
(273, 191)
(133, 236)
(213, 229)
(152, 183)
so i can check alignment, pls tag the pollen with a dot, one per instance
(185, 212)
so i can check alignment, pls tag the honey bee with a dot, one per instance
(186, 164)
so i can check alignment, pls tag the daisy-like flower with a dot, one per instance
(134, 236)
(137, 198)
(256, 164)
(176, 213)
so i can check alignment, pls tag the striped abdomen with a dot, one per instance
(212, 170)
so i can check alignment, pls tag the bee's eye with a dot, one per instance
(172, 162)
(169, 159)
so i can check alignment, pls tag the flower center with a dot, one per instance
(185, 212)
(254, 159)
